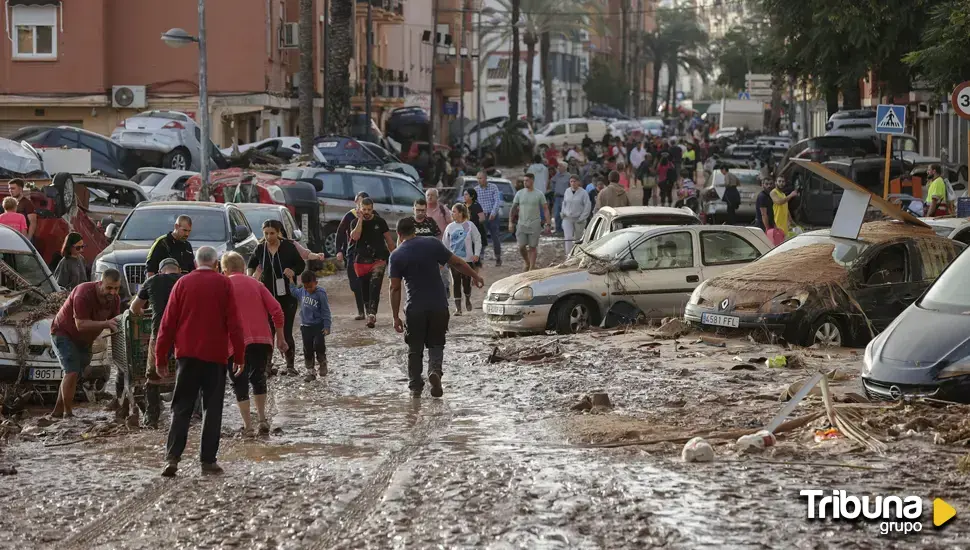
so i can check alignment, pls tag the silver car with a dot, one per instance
(749, 189)
(163, 184)
(646, 272)
(111, 200)
(168, 139)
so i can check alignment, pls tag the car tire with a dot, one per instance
(178, 159)
(330, 240)
(826, 331)
(573, 315)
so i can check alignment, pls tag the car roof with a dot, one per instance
(641, 210)
(111, 181)
(952, 223)
(166, 171)
(188, 205)
(244, 206)
(13, 241)
(882, 231)
(66, 127)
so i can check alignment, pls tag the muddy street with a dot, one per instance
(507, 459)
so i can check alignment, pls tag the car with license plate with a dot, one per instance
(219, 225)
(712, 196)
(819, 289)
(637, 273)
(26, 285)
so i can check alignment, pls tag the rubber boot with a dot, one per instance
(457, 307)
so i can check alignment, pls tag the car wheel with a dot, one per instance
(330, 240)
(179, 159)
(573, 315)
(826, 332)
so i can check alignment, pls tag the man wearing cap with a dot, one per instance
(155, 292)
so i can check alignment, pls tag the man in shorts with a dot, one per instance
(529, 209)
(89, 310)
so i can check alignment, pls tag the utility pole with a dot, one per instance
(203, 107)
(434, 65)
(480, 115)
(326, 65)
(369, 71)
(461, 79)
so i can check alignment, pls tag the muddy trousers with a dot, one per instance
(370, 288)
(192, 376)
(289, 305)
(425, 329)
(462, 282)
(355, 285)
(314, 345)
(257, 360)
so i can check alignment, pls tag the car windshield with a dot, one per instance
(612, 245)
(147, 224)
(258, 216)
(346, 153)
(845, 253)
(28, 266)
(653, 124)
(950, 293)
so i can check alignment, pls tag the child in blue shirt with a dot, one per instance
(315, 320)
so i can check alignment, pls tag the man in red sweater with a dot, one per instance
(200, 321)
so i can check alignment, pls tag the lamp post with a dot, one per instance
(179, 38)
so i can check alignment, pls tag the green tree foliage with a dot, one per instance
(943, 56)
(678, 42)
(605, 84)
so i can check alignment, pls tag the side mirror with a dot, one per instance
(111, 231)
(297, 235)
(628, 264)
(241, 233)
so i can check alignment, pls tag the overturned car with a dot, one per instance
(826, 290)
(29, 299)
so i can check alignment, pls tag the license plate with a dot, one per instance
(45, 374)
(720, 320)
(494, 309)
(328, 145)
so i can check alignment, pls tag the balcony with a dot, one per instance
(384, 11)
(389, 87)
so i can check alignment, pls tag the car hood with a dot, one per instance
(120, 253)
(550, 280)
(40, 331)
(921, 336)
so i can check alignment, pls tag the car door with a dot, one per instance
(577, 131)
(669, 273)
(557, 135)
(377, 188)
(887, 283)
(722, 251)
(246, 247)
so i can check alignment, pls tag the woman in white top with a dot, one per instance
(463, 239)
(575, 211)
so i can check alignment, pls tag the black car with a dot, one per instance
(926, 350)
(818, 199)
(820, 289)
(107, 156)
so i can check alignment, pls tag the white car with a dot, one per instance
(957, 229)
(168, 139)
(282, 147)
(569, 132)
(163, 184)
(111, 200)
(635, 273)
(25, 281)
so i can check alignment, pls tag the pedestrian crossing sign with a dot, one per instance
(891, 119)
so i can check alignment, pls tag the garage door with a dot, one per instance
(8, 127)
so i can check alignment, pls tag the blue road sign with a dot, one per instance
(891, 119)
(450, 108)
(744, 95)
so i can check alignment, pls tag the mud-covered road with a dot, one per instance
(502, 461)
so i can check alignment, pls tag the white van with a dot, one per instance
(569, 132)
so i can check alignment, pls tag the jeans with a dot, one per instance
(289, 305)
(257, 360)
(370, 288)
(462, 282)
(572, 231)
(314, 345)
(355, 285)
(557, 212)
(494, 233)
(424, 329)
(194, 375)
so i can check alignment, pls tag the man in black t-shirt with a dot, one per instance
(372, 244)
(172, 245)
(764, 207)
(155, 292)
(423, 225)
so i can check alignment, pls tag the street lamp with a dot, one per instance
(179, 38)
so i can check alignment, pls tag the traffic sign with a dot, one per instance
(891, 119)
(961, 100)
(450, 108)
(744, 95)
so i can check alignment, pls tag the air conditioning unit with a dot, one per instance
(290, 35)
(584, 35)
(128, 97)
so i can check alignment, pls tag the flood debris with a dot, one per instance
(527, 353)
(594, 402)
(757, 441)
(672, 328)
(697, 450)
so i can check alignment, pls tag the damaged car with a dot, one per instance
(826, 290)
(629, 275)
(29, 300)
(925, 352)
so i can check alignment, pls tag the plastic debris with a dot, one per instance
(756, 441)
(697, 450)
(830, 433)
(777, 362)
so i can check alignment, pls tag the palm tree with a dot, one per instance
(678, 42)
(341, 50)
(307, 75)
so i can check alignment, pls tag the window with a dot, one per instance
(404, 193)
(97, 146)
(146, 224)
(333, 185)
(580, 128)
(593, 229)
(288, 225)
(936, 258)
(888, 267)
(670, 251)
(35, 32)
(148, 179)
(64, 138)
(107, 195)
(237, 218)
(558, 130)
(372, 185)
(718, 248)
(28, 267)
(179, 184)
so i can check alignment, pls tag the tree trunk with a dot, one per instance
(671, 88)
(516, 52)
(655, 93)
(831, 98)
(340, 50)
(637, 72)
(307, 74)
(545, 45)
(530, 56)
(774, 123)
(851, 95)
(624, 39)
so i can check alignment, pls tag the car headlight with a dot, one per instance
(787, 303)
(100, 267)
(523, 294)
(959, 368)
(867, 358)
(695, 297)
(4, 347)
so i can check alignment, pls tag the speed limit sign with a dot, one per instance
(961, 100)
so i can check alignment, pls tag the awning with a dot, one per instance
(240, 109)
(34, 2)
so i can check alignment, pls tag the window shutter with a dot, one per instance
(35, 16)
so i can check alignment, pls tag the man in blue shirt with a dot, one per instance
(490, 199)
(416, 261)
(315, 322)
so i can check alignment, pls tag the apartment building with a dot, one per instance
(65, 61)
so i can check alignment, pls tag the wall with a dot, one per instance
(406, 51)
